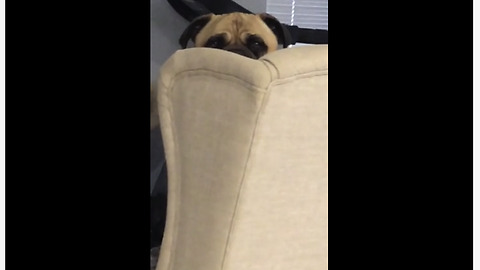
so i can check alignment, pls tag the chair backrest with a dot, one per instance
(246, 145)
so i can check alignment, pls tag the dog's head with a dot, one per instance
(250, 35)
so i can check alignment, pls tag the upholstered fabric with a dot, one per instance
(246, 145)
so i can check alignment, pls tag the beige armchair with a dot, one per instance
(246, 149)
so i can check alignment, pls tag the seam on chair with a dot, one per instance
(301, 76)
(219, 75)
(177, 169)
(176, 202)
(271, 66)
(246, 83)
(216, 74)
(265, 61)
(237, 200)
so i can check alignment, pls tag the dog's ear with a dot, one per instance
(193, 29)
(280, 31)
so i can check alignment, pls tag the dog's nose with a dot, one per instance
(243, 52)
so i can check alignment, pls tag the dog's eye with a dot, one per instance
(256, 43)
(212, 44)
(215, 42)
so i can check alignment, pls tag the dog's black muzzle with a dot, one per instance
(241, 50)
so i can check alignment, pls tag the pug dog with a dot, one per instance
(250, 35)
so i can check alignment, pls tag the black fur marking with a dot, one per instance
(193, 29)
(256, 45)
(216, 41)
(280, 31)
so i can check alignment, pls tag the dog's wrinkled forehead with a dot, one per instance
(236, 28)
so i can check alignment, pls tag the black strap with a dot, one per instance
(223, 6)
(190, 9)
(306, 35)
